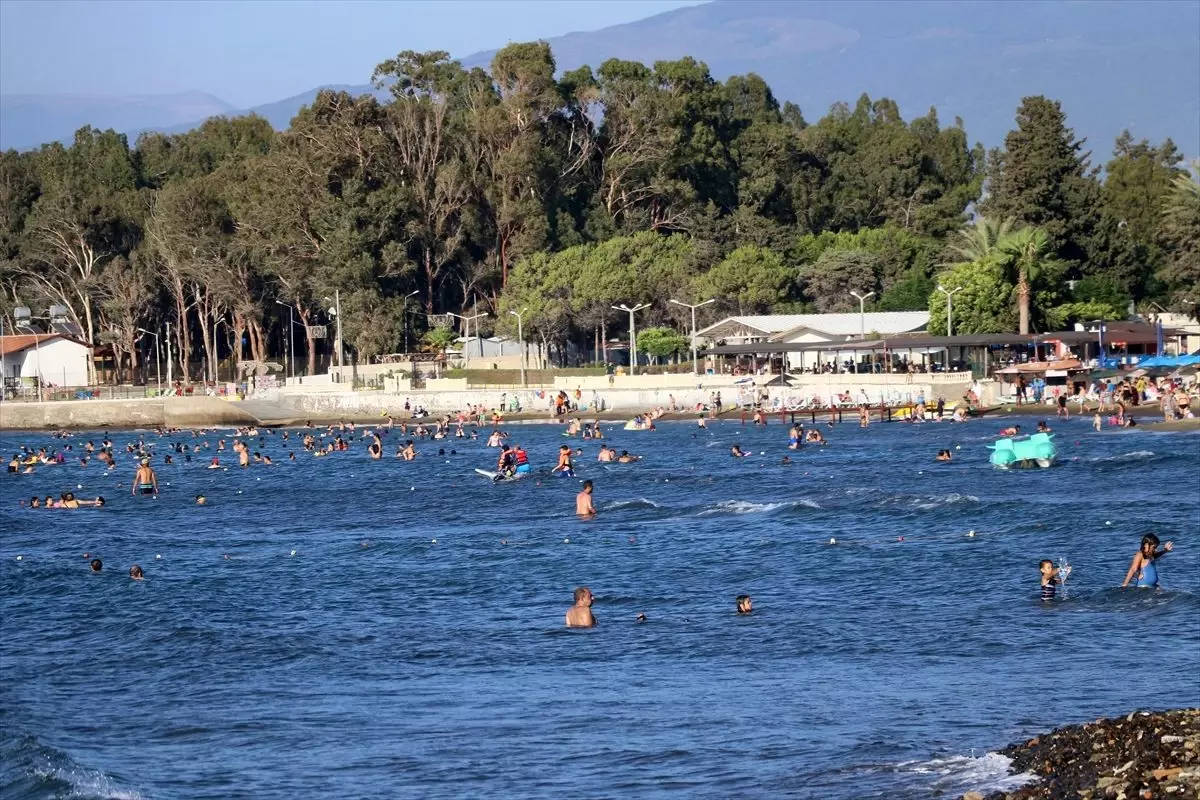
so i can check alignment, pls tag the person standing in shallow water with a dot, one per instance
(580, 614)
(583, 501)
(1143, 566)
(145, 481)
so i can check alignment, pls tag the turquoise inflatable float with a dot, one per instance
(1036, 451)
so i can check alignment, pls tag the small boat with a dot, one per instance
(1036, 450)
(640, 424)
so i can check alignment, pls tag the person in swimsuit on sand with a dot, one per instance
(583, 501)
(580, 615)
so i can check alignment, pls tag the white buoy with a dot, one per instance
(566, 541)
(20, 558)
(433, 540)
(970, 534)
(79, 486)
(832, 541)
(958, 447)
(293, 552)
(1108, 522)
(158, 557)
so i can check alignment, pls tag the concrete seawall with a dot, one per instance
(166, 412)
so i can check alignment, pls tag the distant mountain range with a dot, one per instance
(1114, 65)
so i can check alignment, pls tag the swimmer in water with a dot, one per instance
(627, 458)
(583, 501)
(580, 615)
(136, 573)
(1042, 427)
(1052, 578)
(736, 451)
(96, 565)
(786, 461)
(1012, 430)
(744, 604)
(564, 462)
(1143, 565)
(201, 499)
(794, 438)
(944, 455)
(145, 481)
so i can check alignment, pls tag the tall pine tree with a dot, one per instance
(1042, 178)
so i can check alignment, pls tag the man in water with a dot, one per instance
(583, 501)
(145, 481)
(96, 565)
(522, 460)
(580, 615)
(744, 604)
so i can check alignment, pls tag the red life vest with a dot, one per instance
(522, 457)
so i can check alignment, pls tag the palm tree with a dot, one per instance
(1027, 253)
(974, 243)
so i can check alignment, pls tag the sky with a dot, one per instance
(255, 51)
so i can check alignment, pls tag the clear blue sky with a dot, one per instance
(254, 52)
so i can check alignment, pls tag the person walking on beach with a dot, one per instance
(583, 501)
(580, 614)
(145, 481)
(1143, 564)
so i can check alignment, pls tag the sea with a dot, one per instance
(339, 627)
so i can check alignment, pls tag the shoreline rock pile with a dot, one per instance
(1142, 756)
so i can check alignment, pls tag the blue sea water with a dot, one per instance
(413, 644)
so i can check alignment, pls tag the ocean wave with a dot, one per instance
(936, 501)
(43, 770)
(990, 772)
(640, 502)
(749, 507)
(1136, 455)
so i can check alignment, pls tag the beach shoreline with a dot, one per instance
(1142, 755)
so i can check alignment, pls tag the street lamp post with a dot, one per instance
(632, 333)
(467, 325)
(949, 316)
(337, 315)
(862, 312)
(410, 294)
(695, 367)
(291, 327)
(521, 339)
(157, 357)
(169, 366)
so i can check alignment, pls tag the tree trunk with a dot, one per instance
(1023, 302)
(309, 341)
(428, 258)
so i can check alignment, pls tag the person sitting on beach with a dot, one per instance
(736, 451)
(580, 615)
(1052, 578)
(744, 604)
(1143, 566)
(583, 501)
(944, 455)
(1011, 430)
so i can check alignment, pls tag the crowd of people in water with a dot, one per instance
(513, 462)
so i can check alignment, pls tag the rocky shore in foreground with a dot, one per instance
(1142, 756)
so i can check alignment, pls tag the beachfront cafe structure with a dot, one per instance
(983, 355)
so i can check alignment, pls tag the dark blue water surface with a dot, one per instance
(413, 645)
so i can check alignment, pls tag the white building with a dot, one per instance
(56, 359)
(812, 329)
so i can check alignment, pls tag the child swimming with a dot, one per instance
(1143, 565)
(1052, 578)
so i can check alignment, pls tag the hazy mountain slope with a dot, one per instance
(1114, 65)
(30, 120)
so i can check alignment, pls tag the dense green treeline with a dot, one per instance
(474, 191)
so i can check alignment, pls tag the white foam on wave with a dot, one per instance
(640, 502)
(86, 783)
(935, 501)
(990, 772)
(748, 507)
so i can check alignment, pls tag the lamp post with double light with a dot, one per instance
(695, 366)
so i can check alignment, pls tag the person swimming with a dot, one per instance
(744, 604)
(944, 455)
(563, 467)
(1052, 578)
(1143, 566)
(136, 573)
(737, 452)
